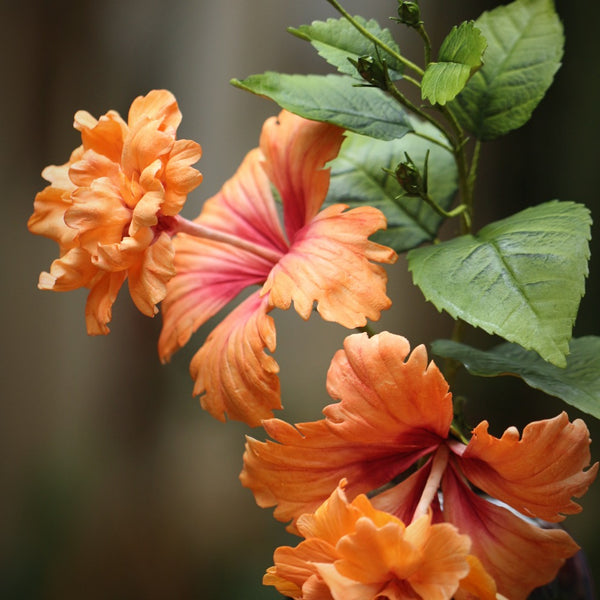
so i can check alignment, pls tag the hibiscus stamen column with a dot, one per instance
(438, 467)
(183, 225)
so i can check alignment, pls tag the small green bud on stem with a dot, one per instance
(409, 14)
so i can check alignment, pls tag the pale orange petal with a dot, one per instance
(97, 214)
(48, 218)
(123, 255)
(69, 272)
(98, 308)
(58, 175)
(145, 214)
(180, 178)
(444, 561)
(143, 146)
(478, 584)
(538, 473)
(519, 556)
(393, 410)
(233, 374)
(372, 554)
(295, 573)
(329, 263)
(104, 136)
(91, 166)
(333, 519)
(344, 588)
(148, 278)
(156, 105)
(296, 151)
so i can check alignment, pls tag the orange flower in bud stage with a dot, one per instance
(112, 207)
(395, 410)
(323, 257)
(353, 551)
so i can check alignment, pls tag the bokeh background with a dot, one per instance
(114, 484)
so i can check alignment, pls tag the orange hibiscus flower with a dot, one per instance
(395, 410)
(112, 207)
(353, 551)
(317, 257)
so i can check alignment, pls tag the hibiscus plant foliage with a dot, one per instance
(521, 278)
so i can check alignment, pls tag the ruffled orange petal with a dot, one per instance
(519, 556)
(104, 136)
(233, 374)
(69, 272)
(538, 473)
(330, 263)
(102, 296)
(389, 560)
(143, 146)
(59, 175)
(91, 166)
(295, 573)
(335, 517)
(478, 584)
(48, 216)
(148, 277)
(296, 151)
(388, 396)
(394, 409)
(180, 178)
(156, 105)
(97, 214)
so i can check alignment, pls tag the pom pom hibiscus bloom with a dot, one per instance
(111, 208)
(322, 257)
(352, 550)
(396, 413)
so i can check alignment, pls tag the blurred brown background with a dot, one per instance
(114, 484)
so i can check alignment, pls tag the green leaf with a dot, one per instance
(460, 56)
(521, 278)
(333, 99)
(336, 40)
(525, 47)
(578, 384)
(358, 178)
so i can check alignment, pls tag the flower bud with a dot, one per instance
(409, 13)
(372, 70)
(409, 177)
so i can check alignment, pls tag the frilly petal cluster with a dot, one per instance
(389, 436)
(111, 207)
(352, 551)
(321, 257)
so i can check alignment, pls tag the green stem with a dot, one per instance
(434, 141)
(427, 43)
(472, 176)
(449, 214)
(375, 39)
(402, 99)
(366, 329)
